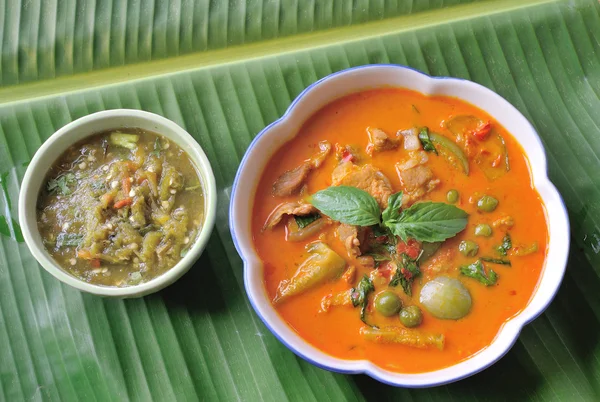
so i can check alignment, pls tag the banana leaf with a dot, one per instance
(224, 70)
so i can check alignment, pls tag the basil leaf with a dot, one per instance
(393, 209)
(157, 147)
(378, 257)
(359, 296)
(429, 221)
(304, 221)
(505, 246)
(68, 240)
(477, 271)
(425, 141)
(387, 248)
(406, 272)
(346, 204)
(61, 184)
(496, 261)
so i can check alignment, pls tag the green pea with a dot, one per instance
(487, 203)
(387, 303)
(483, 229)
(411, 316)
(452, 196)
(468, 248)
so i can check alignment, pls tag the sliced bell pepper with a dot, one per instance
(448, 145)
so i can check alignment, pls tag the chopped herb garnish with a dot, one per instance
(505, 246)
(379, 231)
(68, 240)
(61, 184)
(387, 248)
(359, 296)
(477, 271)
(496, 261)
(406, 272)
(157, 147)
(378, 258)
(98, 185)
(415, 109)
(304, 221)
(425, 141)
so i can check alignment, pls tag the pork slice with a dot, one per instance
(379, 141)
(416, 182)
(340, 171)
(366, 178)
(414, 178)
(348, 235)
(317, 159)
(291, 182)
(288, 208)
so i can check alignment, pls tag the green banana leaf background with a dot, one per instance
(223, 70)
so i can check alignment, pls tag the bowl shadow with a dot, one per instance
(204, 287)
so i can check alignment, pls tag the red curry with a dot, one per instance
(447, 242)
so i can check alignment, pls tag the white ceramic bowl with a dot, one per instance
(367, 77)
(75, 131)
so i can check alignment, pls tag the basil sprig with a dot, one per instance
(477, 271)
(424, 221)
(360, 294)
(426, 141)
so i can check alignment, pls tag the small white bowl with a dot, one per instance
(84, 127)
(354, 80)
